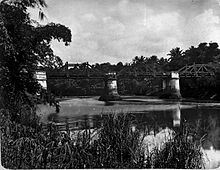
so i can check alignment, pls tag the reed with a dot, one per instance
(115, 144)
(182, 151)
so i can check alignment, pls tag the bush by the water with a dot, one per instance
(179, 152)
(114, 144)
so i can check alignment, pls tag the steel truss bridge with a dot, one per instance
(87, 71)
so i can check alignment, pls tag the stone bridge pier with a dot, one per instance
(110, 92)
(171, 86)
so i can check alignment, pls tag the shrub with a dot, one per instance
(121, 146)
(179, 152)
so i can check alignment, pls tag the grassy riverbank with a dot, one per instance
(115, 144)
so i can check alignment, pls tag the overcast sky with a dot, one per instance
(118, 30)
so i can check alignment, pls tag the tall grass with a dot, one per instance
(182, 151)
(115, 144)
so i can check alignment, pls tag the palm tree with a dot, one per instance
(176, 59)
(175, 53)
(140, 59)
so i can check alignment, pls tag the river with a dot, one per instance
(151, 113)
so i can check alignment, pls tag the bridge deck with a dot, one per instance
(196, 70)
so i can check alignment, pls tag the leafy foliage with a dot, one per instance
(23, 47)
(190, 87)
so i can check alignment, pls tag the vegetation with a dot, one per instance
(205, 53)
(25, 44)
(181, 151)
(115, 144)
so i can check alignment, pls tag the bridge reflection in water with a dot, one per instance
(201, 119)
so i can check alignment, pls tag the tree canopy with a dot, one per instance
(24, 45)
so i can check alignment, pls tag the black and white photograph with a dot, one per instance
(110, 84)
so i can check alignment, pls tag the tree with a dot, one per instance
(23, 46)
(203, 54)
(162, 61)
(191, 55)
(176, 58)
(153, 60)
(175, 53)
(119, 66)
(138, 60)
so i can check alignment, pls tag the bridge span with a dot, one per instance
(170, 80)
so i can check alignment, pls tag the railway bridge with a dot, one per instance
(170, 80)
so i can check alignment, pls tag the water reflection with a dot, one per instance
(176, 116)
(108, 103)
(205, 122)
(201, 120)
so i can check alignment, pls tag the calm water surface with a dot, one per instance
(150, 113)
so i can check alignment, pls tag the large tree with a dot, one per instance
(204, 53)
(24, 44)
(176, 59)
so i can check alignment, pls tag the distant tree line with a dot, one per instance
(202, 88)
(205, 53)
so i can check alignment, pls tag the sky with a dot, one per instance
(118, 30)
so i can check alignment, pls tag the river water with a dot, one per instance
(151, 114)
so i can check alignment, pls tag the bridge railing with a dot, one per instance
(197, 70)
(87, 71)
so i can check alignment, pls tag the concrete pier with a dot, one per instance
(171, 86)
(110, 92)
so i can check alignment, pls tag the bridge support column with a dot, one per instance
(171, 87)
(110, 90)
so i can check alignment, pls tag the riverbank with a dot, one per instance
(90, 105)
(81, 109)
(143, 98)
